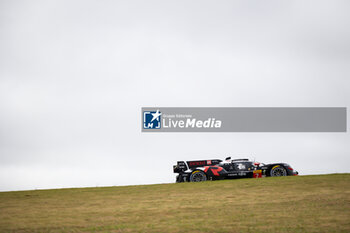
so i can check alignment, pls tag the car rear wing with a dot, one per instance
(180, 167)
(183, 166)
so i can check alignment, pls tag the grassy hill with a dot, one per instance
(287, 204)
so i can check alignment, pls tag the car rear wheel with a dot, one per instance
(198, 176)
(278, 171)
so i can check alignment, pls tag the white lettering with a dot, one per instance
(206, 124)
(181, 124)
(199, 124)
(191, 123)
(217, 124)
(164, 124)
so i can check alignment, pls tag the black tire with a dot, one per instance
(198, 176)
(278, 170)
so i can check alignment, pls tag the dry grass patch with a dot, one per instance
(287, 204)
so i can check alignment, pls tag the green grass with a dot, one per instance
(286, 204)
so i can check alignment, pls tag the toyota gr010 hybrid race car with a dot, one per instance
(215, 169)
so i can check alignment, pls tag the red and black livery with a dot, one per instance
(215, 169)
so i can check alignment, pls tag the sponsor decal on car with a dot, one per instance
(257, 174)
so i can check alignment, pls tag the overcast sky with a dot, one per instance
(75, 74)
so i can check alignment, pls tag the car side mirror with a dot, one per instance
(228, 158)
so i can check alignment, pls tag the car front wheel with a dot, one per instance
(278, 170)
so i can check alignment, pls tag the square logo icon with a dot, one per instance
(152, 119)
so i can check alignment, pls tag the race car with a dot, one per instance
(216, 169)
